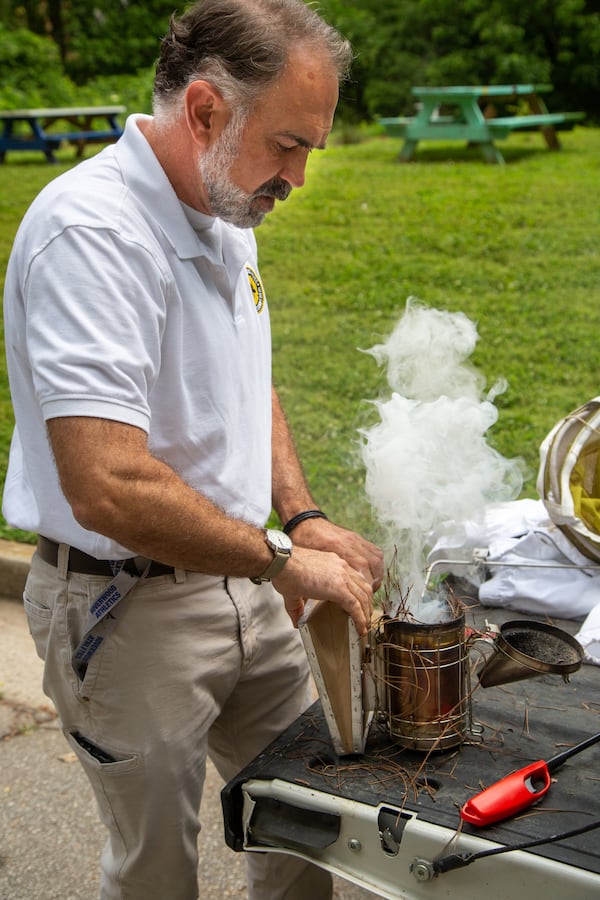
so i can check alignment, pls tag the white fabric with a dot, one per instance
(125, 311)
(525, 562)
(537, 577)
(589, 636)
(457, 540)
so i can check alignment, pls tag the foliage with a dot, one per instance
(132, 91)
(398, 44)
(31, 72)
(115, 38)
(434, 42)
(513, 247)
(103, 38)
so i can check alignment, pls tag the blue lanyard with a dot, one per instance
(101, 621)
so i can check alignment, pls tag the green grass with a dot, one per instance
(514, 247)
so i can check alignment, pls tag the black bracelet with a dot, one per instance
(307, 514)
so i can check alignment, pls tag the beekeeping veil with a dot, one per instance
(569, 477)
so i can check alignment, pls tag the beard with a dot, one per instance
(227, 200)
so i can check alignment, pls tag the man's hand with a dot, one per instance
(313, 574)
(363, 556)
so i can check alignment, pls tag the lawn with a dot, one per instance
(514, 247)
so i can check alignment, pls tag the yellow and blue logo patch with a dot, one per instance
(256, 286)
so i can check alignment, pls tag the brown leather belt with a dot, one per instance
(88, 565)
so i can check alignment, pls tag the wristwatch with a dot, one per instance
(281, 545)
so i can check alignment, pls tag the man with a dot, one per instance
(150, 447)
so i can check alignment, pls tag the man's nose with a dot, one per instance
(294, 170)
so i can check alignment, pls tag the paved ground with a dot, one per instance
(50, 840)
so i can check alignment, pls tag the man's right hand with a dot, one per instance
(316, 575)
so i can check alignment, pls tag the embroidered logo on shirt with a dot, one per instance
(258, 292)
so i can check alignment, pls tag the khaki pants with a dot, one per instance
(194, 665)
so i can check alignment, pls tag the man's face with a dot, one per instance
(252, 164)
(226, 199)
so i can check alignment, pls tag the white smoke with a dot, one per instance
(427, 460)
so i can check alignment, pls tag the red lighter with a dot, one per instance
(518, 790)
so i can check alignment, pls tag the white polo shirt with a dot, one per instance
(119, 304)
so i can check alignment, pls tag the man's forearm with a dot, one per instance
(291, 493)
(291, 496)
(117, 488)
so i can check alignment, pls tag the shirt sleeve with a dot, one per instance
(96, 304)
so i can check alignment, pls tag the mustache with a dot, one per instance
(276, 188)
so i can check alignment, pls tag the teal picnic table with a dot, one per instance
(46, 129)
(468, 113)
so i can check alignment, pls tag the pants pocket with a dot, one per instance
(93, 755)
(39, 619)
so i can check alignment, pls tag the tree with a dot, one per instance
(31, 72)
(397, 43)
(408, 42)
(113, 37)
(100, 38)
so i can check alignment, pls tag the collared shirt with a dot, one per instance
(122, 304)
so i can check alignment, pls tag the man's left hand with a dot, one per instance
(361, 554)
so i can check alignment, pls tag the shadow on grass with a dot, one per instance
(66, 158)
(469, 154)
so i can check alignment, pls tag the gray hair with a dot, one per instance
(241, 47)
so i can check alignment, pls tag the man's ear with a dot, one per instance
(205, 112)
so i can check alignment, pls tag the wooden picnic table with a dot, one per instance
(469, 113)
(36, 129)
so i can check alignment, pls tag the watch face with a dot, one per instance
(279, 540)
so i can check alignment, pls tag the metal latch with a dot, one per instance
(391, 824)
